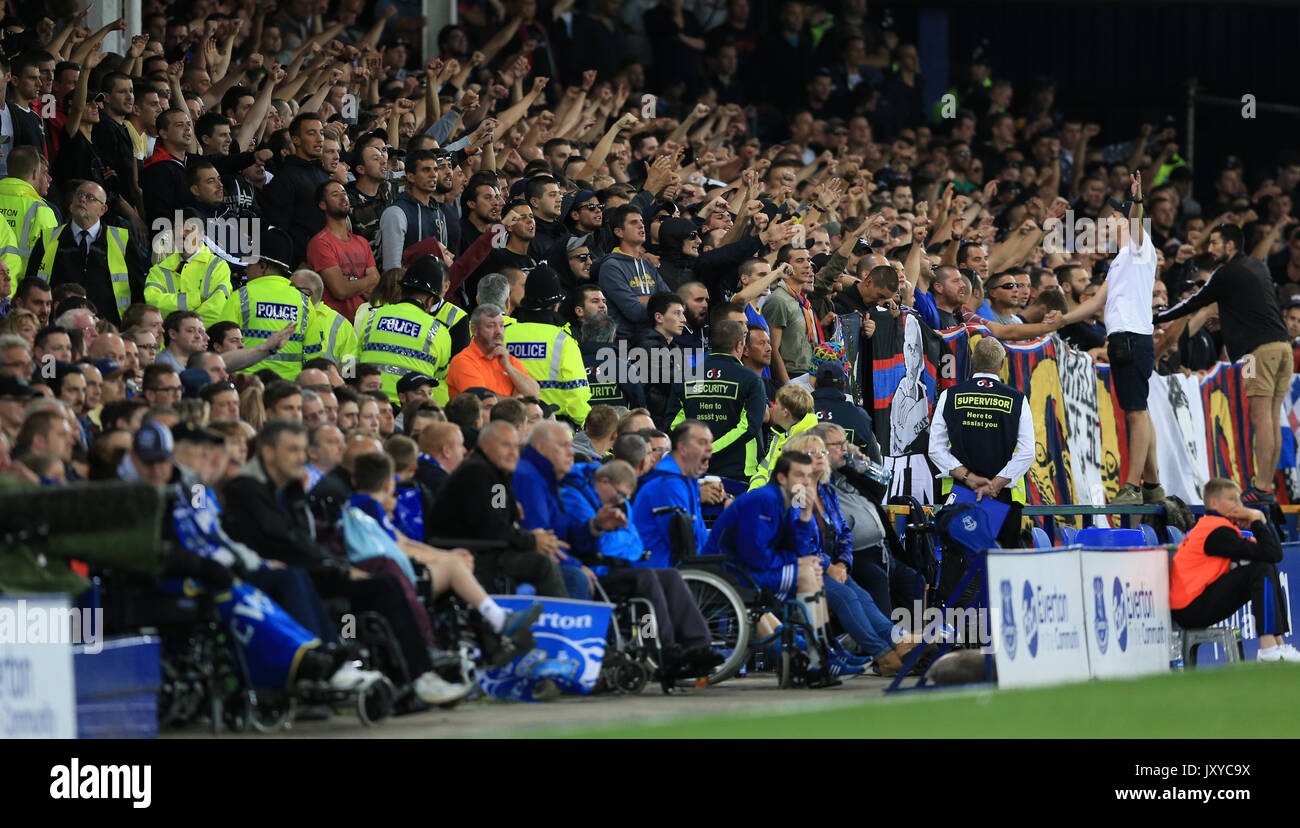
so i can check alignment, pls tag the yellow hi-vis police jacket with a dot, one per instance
(201, 285)
(265, 306)
(402, 337)
(553, 358)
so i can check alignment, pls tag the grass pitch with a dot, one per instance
(1243, 701)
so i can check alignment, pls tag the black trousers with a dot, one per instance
(891, 584)
(382, 594)
(679, 620)
(293, 590)
(1256, 582)
(533, 567)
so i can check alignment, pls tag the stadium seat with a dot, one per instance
(1111, 538)
(1068, 533)
(1175, 534)
(1041, 540)
(1149, 534)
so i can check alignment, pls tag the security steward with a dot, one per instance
(601, 361)
(406, 336)
(728, 398)
(24, 211)
(193, 278)
(982, 437)
(831, 406)
(89, 252)
(549, 355)
(269, 303)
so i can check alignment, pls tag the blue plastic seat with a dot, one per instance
(1175, 534)
(1111, 538)
(1068, 533)
(1149, 534)
(1041, 540)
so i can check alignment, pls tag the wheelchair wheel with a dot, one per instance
(271, 712)
(631, 677)
(726, 616)
(375, 703)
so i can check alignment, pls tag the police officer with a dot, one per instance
(549, 355)
(193, 278)
(727, 397)
(982, 437)
(269, 303)
(24, 210)
(831, 406)
(334, 337)
(600, 357)
(406, 336)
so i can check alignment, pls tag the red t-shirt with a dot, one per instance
(353, 257)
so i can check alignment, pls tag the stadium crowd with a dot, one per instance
(591, 260)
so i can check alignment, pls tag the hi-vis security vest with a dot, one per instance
(764, 472)
(202, 285)
(118, 239)
(553, 358)
(402, 337)
(1191, 570)
(331, 336)
(265, 306)
(983, 419)
(27, 216)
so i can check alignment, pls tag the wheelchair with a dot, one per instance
(732, 605)
(205, 672)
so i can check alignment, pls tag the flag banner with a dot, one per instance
(1083, 424)
(1180, 438)
(1289, 487)
(1114, 434)
(851, 324)
(570, 646)
(1032, 368)
(906, 355)
(1227, 424)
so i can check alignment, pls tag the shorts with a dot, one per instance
(1132, 376)
(1268, 370)
(780, 581)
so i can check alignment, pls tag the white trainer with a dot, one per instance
(1282, 652)
(350, 676)
(432, 688)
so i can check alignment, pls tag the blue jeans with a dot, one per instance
(855, 610)
(575, 581)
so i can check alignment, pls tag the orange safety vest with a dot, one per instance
(1192, 570)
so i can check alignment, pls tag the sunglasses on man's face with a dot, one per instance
(582, 257)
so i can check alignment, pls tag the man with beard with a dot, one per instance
(1253, 329)
(521, 228)
(480, 207)
(418, 214)
(586, 217)
(950, 289)
(289, 196)
(343, 259)
(372, 193)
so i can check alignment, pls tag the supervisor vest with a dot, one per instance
(983, 419)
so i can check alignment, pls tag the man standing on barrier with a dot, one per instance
(982, 437)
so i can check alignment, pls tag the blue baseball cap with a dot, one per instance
(153, 442)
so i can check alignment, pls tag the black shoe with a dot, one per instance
(313, 713)
(703, 660)
(515, 638)
(411, 704)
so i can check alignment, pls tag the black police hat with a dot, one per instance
(427, 273)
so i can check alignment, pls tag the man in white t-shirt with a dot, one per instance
(1127, 294)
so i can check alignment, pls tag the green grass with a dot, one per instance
(1247, 701)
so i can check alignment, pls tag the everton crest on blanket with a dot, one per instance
(570, 646)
